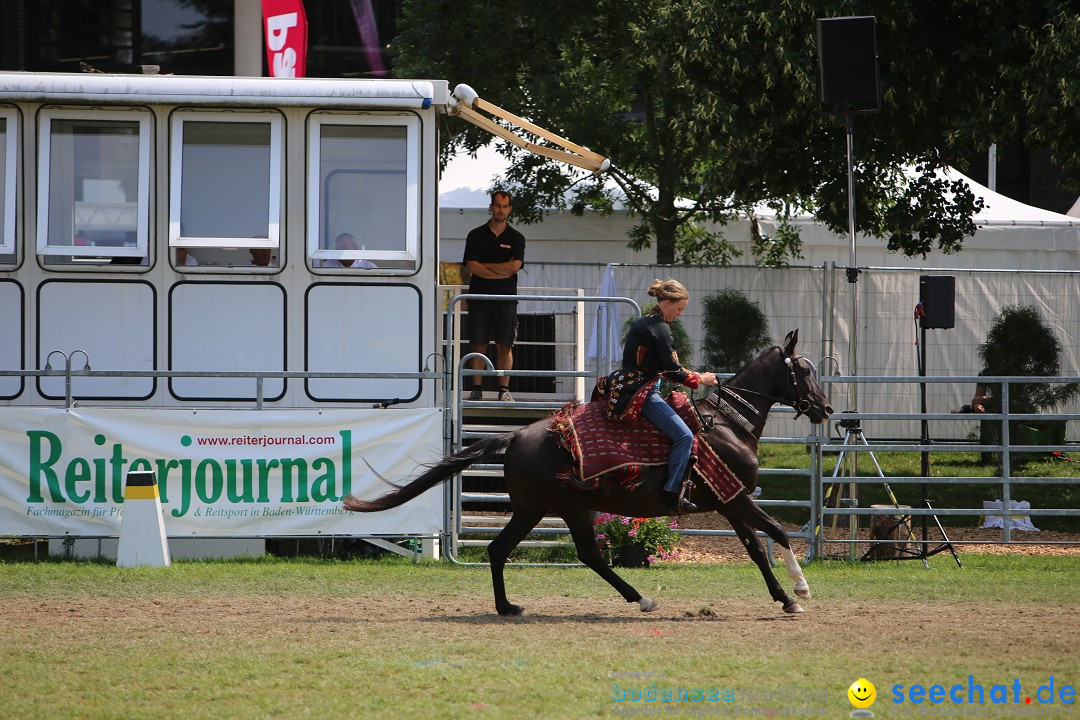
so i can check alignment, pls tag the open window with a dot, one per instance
(226, 188)
(363, 191)
(9, 139)
(94, 186)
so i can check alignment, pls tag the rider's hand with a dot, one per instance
(707, 378)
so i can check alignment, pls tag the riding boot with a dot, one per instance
(687, 487)
(679, 502)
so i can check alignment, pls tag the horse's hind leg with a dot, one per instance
(579, 523)
(519, 525)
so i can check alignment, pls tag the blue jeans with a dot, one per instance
(660, 414)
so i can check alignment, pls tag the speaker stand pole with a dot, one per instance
(924, 552)
(853, 356)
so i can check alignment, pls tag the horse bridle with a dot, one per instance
(800, 405)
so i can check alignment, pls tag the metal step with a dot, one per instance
(482, 472)
(499, 528)
(480, 432)
(484, 497)
(523, 543)
(495, 404)
(557, 521)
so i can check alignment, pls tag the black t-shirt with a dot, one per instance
(483, 246)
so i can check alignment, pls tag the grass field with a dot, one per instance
(392, 639)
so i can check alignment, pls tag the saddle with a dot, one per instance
(607, 452)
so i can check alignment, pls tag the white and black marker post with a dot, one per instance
(142, 527)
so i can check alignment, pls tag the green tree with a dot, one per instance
(735, 330)
(708, 108)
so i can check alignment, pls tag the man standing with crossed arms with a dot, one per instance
(494, 253)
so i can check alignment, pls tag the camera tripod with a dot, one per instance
(913, 549)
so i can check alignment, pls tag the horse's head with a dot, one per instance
(801, 390)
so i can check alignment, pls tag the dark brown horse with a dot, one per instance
(533, 457)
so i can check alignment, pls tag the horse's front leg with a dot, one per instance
(794, 571)
(757, 554)
(758, 518)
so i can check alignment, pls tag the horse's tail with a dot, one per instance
(439, 472)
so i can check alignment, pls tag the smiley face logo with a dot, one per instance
(862, 695)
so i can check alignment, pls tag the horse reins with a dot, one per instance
(801, 405)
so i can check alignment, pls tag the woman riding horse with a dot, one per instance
(649, 352)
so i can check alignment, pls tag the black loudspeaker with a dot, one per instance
(937, 293)
(847, 62)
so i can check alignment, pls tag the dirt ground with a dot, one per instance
(854, 620)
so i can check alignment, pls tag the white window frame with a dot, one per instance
(412, 187)
(144, 119)
(11, 149)
(176, 159)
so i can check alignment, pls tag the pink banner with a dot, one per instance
(285, 29)
(369, 35)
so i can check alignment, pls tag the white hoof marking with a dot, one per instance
(794, 608)
(647, 604)
(794, 571)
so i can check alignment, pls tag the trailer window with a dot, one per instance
(225, 188)
(94, 186)
(363, 192)
(8, 143)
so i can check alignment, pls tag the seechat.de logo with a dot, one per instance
(975, 693)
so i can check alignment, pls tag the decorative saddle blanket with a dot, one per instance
(607, 451)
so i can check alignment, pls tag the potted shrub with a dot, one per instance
(1020, 342)
(636, 542)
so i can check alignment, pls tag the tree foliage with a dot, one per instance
(708, 108)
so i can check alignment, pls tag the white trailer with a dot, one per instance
(162, 240)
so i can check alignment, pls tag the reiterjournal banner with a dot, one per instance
(223, 473)
(285, 28)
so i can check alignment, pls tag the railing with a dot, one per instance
(1007, 449)
(260, 376)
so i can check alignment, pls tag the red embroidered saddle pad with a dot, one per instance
(606, 451)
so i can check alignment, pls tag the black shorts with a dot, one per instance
(492, 321)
